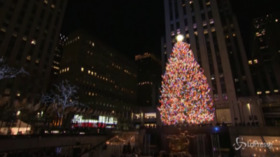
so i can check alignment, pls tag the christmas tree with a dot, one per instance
(185, 94)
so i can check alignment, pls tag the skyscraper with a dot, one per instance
(149, 70)
(264, 63)
(106, 80)
(265, 55)
(213, 32)
(28, 34)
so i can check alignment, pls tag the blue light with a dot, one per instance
(216, 128)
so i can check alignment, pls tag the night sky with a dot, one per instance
(129, 26)
(136, 26)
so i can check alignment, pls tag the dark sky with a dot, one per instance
(130, 26)
(136, 26)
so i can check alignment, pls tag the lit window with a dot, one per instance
(259, 92)
(191, 2)
(276, 20)
(255, 61)
(195, 33)
(213, 29)
(68, 68)
(33, 42)
(258, 34)
(208, 3)
(276, 90)
(18, 94)
(56, 67)
(18, 112)
(250, 62)
(3, 29)
(28, 58)
(82, 69)
(267, 92)
(37, 61)
(205, 31)
(233, 34)
(45, 1)
(53, 6)
(88, 71)
(150, 115)
(92, 44)
(211, 21)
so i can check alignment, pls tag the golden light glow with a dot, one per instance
(179, 37)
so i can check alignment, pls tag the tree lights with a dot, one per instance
(185, 94)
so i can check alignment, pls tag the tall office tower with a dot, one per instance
(58, 54)
(149, 76)
(264, 59)
(106, 80)
(213, 33)
(28, 34)
(264, 62)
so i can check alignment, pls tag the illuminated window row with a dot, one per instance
(267, 92)
(151, 115)
(90, 53)
(145, 83)
(233, 34)
(56, 67)
(125, 70)
(90, 72)
(261, 33)
(255, 61)
(116, 66)
(127, 90)
(73, 40)
(64, 70)
(151, 125)
(103, 104)
(91, 43)
(146, 55)
(91, 94)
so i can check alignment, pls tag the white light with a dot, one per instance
(82, 133)
(179, 37)
(249, 107)
(33, 42)
(18, 113)
(55, 131)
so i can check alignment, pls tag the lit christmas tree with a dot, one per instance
(185, 94)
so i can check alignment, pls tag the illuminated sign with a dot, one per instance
(102, 121)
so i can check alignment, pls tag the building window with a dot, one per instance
(33, 42)
(150, 115)
(82, 69)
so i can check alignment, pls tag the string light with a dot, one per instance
(185, 94)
